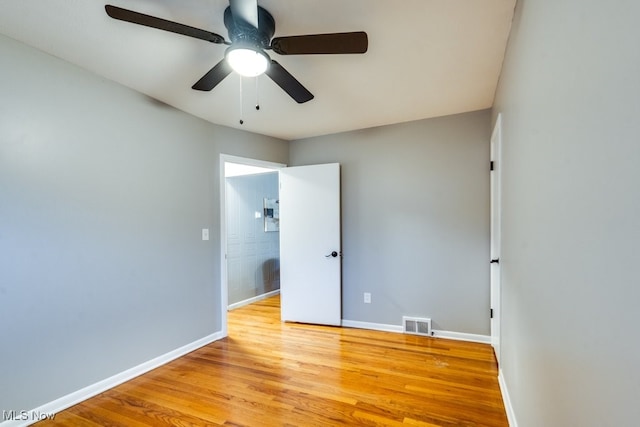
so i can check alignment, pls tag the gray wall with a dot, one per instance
(253, 255)
(570, 99)
(103, 195)
(415, 219)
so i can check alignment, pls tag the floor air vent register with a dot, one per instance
(416, 326)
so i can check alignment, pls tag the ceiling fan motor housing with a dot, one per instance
(242, 32)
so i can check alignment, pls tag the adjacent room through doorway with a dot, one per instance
(250, 231)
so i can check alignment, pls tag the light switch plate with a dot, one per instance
(205, 234)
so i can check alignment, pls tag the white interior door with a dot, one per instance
(496, 140)
(310, 251)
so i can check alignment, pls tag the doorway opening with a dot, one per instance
(250, 247)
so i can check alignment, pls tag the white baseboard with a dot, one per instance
(372, 326)
(460, 336)
(25, 418)
(511, 415)
(252, 300)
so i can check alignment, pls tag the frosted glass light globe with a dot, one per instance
(247, 62)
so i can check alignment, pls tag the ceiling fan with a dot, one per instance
(250, 29)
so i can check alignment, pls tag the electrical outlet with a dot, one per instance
(367, 298)
(205, 234)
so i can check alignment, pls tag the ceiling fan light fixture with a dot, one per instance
(247, 61)
(251, 29)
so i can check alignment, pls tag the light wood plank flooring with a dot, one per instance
(269, 373)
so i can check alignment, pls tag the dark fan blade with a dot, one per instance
(214, 76)
(245, 10)
(356, 42)
(288, 83)
(161, 24)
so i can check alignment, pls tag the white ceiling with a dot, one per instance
(426, 58)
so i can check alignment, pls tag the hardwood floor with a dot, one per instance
(269, 373)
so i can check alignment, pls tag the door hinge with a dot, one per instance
(491, 165)
(491, 313)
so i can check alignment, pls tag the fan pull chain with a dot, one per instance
(257, 94)
(241, 111)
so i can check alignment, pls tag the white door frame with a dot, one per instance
(224, 285)
(496, 232)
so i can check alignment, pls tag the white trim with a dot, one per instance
(372, 326)
(506, 399)
(224, 286)
(460, 336)
(496, 233)
(92, 390)
(251, 162)
(252, 300)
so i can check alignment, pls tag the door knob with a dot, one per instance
(495, 261)
(332, 254)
